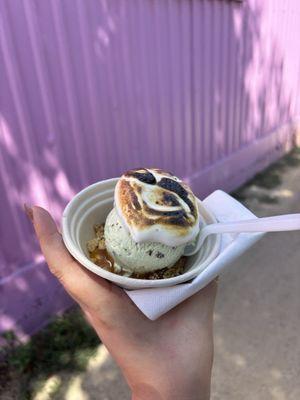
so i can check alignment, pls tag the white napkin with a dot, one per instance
(154, 302)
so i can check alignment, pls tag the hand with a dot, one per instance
(170, 358)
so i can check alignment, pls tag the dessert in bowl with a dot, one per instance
(133, 230)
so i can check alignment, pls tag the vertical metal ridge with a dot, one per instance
(285, 39)
(105, 98)
(236, 102)
(205, 78)
(175, 143)
(222, 81)
(133, 71)
(99, 149)
(39, 66)
(145, 119)
(231, 79)
(10, 209)
(243, 106)
(159, 97)
(122, 90)
(130, 57)
(193, 154)
(116, 108)
(226, 67)
(76, 134)
(196, 88)
(212, 75)
(186, 80)
(14, 80)
(167, 84)
(171, 94)
(147, 51)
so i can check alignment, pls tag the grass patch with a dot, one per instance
(269, 179)
(66, 344)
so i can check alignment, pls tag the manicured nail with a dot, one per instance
(28, 211)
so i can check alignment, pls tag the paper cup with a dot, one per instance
(92, 205)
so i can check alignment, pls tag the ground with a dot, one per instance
(257, 322)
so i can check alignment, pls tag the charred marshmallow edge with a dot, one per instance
(155, 206)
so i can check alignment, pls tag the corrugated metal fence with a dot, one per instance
(91, 88)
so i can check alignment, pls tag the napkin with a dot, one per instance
(154, 302)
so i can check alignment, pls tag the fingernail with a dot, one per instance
(28, 211)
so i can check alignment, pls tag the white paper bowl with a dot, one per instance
(91, 206)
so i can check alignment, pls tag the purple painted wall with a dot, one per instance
(207, 89)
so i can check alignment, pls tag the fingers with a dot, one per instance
(200, 304)
(207, 296)
(210, 290)
(85, 287)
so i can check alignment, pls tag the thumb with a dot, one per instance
(85, 287)
(59, 260)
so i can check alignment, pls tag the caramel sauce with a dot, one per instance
(104, 260)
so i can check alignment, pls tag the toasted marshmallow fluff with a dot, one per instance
(156, 206)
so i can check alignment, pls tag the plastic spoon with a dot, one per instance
(289, 222)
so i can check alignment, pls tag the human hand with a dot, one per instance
(170, 358)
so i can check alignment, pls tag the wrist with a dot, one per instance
(145, 391)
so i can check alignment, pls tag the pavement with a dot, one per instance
(257, 315)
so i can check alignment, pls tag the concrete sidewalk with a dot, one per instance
(257, 318)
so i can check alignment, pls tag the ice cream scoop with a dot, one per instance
(132, 257)
(155, 216)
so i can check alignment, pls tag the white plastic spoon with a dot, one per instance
(289, 222)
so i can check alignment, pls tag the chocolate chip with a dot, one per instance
(159, 255)
(150, 252)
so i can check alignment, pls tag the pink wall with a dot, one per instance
(92, 88)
